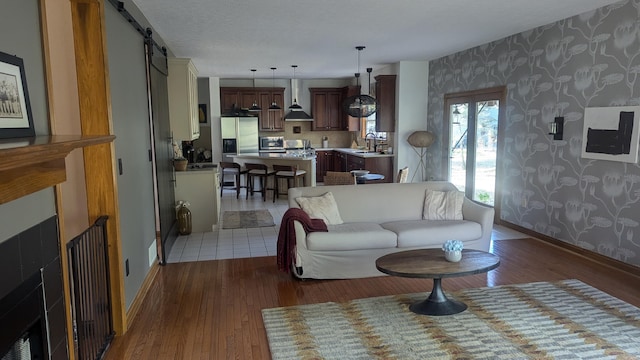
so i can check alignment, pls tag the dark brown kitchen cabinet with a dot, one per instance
(376, 165)
(229, 100)
(353, 123)
(355, 163)
(386, 96)
(247, 98)
(271, 120)
(326, 109)
(324, 163)
(381, 165)
(236, 99)
(339, 161)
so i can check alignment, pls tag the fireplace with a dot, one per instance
(32, 313)
(23, 335)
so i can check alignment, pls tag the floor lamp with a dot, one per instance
(420, 141)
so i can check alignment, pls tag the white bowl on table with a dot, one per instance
(359, 173)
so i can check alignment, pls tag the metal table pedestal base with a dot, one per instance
(437, 303)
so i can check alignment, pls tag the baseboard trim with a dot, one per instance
(136, 305)
(591, 255)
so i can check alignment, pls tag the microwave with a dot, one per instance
(272, 143)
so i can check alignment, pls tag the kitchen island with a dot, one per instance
(306, 163)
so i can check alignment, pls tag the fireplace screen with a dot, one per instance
(20, 350)
(32, 326)
(27, 347)
(22, 335)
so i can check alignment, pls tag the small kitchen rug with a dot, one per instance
(246, 219)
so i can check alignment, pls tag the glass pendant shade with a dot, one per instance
(255, 106)
(274, 105)
(294, 105)
(360, 106)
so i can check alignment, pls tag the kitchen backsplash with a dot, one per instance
(336, 138)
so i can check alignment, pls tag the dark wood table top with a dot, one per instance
(430, 263)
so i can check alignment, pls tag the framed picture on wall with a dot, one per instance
(15, 110)
(611, 133)
(202, 113)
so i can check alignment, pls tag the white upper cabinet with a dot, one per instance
(183, 99)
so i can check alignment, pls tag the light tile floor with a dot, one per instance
(254, 242)
(233, 243)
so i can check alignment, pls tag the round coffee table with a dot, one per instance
(430, 263)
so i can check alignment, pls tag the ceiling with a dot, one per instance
(228, 38)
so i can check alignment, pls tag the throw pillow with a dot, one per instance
(321, 207)
(443, 205)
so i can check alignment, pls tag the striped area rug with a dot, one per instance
(561, 320)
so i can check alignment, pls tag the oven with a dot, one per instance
(272, 144)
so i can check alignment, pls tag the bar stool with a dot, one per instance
(262, 172)
(289, 172)
(232, 168)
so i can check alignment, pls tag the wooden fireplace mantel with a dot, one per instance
(31, 164)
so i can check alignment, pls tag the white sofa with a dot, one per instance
(380, 219)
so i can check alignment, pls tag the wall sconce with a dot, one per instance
(556, 128)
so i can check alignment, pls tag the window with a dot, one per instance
(369, 126)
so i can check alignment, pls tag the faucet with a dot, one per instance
(369, 143)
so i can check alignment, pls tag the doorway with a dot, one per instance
(473, 120)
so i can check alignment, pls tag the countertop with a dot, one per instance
(200, 167)
(283, 156)
(356, 152)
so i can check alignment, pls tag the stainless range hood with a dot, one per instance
(296, 113)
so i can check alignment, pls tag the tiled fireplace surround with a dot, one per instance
(22, 258)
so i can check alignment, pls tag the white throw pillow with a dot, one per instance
(321, 207)
(443, 205)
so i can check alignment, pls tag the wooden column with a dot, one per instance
(95, 117)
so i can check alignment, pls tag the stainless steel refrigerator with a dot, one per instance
(239, 136)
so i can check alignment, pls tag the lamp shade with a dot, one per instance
(360, 105)
(421, 139)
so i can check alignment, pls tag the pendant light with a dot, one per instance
(360, 105)
(274, 105)
(294, 105)
(295, 110)
(255, 106)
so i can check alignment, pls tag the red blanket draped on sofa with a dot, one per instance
(287, 235)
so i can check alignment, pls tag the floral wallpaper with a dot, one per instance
(589, 60)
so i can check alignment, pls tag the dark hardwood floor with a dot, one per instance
(211, 310)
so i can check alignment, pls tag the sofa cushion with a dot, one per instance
(433, 232)
(352, 236)
(321, 207)
(442, 205)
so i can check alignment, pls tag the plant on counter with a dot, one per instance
(177, 152)
(452, 245)
(179, 162)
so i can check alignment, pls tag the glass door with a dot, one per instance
(458, 129)
(486, 149)
(473, 120)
